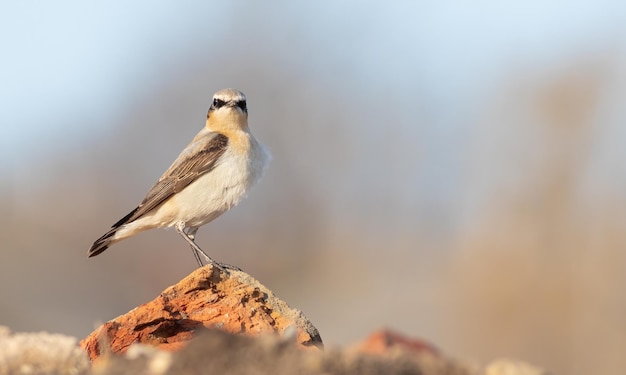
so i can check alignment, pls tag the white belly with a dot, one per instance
(209, 196)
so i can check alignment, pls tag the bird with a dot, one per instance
(210, 176)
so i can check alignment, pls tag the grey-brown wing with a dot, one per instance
(197, 159)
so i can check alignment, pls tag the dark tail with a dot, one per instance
(103, 242)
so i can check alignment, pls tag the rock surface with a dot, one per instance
(387, 342)
(229, 300)
(217, 352)
(213, 351)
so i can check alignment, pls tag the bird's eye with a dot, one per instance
(218, 103)
(242, 104)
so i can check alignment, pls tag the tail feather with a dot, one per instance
(107, 239)
(102, 243)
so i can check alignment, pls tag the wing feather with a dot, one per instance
(200, 157)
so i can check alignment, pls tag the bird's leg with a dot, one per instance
(191, 234)
(180, 228)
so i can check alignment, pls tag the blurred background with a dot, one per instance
(452, 170)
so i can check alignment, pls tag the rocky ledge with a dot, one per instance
(223, 321)
(229, 300)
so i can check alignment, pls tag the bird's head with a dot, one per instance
(228, 109)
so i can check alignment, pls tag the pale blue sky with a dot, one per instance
(70, 59)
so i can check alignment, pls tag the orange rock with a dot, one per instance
(230, 300)
(385, 341)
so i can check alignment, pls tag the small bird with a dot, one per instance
(210, 176)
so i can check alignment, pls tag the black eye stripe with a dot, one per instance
(218, 103)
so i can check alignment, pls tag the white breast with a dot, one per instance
(211, 194)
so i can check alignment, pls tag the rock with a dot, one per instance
(229, 300)
(395, 348)
(217, 352)
(385, 341)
